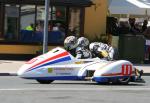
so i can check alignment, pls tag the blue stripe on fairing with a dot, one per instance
(106, 79)
(53, 62)
(56, 78)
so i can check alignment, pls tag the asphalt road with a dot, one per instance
(16, 90)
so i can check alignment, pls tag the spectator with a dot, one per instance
(49, 27)
(124, 27)
(132, 22)
(144, 26)
(112, 26)
(30, 27)
(39, 27)
(137, 29)
(132, 25)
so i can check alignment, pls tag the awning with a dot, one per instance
(84, 3)
(132, 7)
(73, 2)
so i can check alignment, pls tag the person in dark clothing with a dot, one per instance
(123, 27)
(144, 26)
(137, 29)
(132, 25)
(112, 26)
(132, 22)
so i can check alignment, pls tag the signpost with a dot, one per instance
(45, 36)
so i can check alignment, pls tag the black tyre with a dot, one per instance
(123, 80)
(103, 83)
(44, 81)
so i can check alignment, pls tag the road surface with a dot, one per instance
(16, 90)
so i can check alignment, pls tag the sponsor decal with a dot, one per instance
(82, 62)
(79, 62)
(50, 70)
(63, 73)
(63, 69)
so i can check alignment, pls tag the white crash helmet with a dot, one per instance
(83, 42)
(70, 43)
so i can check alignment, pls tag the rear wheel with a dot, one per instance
(124, 80)
(44, 81)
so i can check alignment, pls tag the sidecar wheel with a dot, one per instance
(124, 80)
(44, 81)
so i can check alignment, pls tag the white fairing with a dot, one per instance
(115, 68)
(28, 69)
(58, 64)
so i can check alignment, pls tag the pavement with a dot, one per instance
(10, 67)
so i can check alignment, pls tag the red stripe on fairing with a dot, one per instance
(127, 69)
(115, 74)
(54, 57)
(123, 69)
(111, 74)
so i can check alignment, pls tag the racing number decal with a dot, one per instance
(126, 69)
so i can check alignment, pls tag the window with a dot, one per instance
(75, 20)
(35, 15)
(11, 22)
(25, 23)
(1, 20)
(27, 16)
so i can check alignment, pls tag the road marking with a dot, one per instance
(75, 89)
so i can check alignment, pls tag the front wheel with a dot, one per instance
(44, 81)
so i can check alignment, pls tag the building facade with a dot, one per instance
(72, 17)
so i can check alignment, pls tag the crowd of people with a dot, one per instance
(39, 26)
(133, 27)
(34, 33)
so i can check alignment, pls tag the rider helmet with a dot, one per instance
(83, 42)
(70, 43)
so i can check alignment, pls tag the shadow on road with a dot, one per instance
(92, 83)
